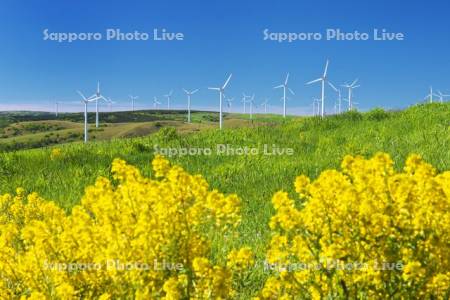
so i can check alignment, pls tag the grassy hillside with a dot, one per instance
(25, 130)
(317, 145)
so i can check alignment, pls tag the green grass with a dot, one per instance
(318, 145)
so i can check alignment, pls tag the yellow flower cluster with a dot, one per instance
(55, 153)
(132, 237)
(365, 232)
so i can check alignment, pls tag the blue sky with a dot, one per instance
(221, 37)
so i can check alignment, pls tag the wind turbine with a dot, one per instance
(339, 104)
(441, 96)
(316, 106)
(430, 95)
(189, 94)
(251, 101)
(56, 108)
(323, 79)
(350, 88)
(133, 100)
(97, 96)
(244, 100)
(266, 101)
(156, 102)
(221, 93)
(229, 102)
(285, 87)
(110, 103)
(168, 96)
(86, 101)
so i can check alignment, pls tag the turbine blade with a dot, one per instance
(314, 81)
(291, 91)
(354, 82)
(287, 78)
(81, 94)
(332, 86)
(227, 81)
(215, 89)
(279, 86)
(326, 69)
(194, 91)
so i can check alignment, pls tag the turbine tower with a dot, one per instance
(189, 94)
(97, 96)
(339, 103)
(56, 109)
(285, 87)
(350, 88)
(323, 79)
(86, 102)
(221, 91)
(168, 96)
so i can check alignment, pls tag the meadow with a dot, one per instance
(317, 144)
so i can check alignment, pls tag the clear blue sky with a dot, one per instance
(222, 37)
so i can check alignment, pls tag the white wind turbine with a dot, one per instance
(244, 101)
(189, 94)
(229, 103)
(441, 96)
(156, 103)
(133, 101)
(251, 102)
(350, 88)
(86, 101)
(56, 108)
(168, 96)
(266, 101)
(110, 104)
(430, 95)
(316, 107)
(339, 100)
(323, 79)
(97, 96)
(221, 93)
(285, 87)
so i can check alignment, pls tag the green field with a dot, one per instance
(26, 130)
(318, 144)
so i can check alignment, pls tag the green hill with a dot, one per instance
(25, 130)
(317, 144)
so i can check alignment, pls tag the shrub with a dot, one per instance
(366, 232)
(139, 238)
(377, 114)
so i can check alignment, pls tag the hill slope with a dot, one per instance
(317, 145)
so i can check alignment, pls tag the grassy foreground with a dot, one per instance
(317, 145)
